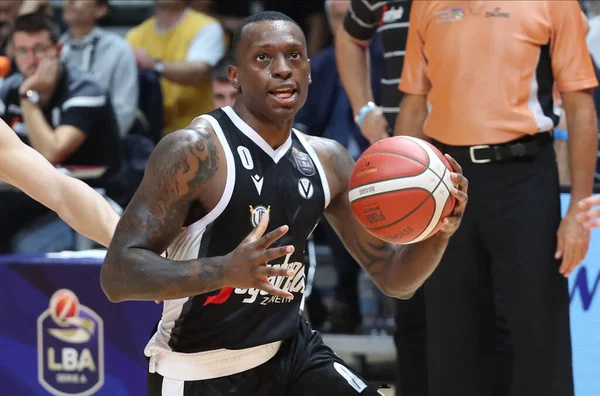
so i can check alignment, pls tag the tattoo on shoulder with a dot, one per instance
(183, 164)
(340, 159)
(185, 168)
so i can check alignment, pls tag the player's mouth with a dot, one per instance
(284, 95)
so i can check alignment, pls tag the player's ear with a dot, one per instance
(232, 76)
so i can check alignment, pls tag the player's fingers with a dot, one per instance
(594, 223)
(588, 202)
(275, 291)
(267, 240)
(460, 195)
(266, 271)
(460, 180)
(259, 230)
(450, 223)
(594, 212)
(455, 165)
(274, 253)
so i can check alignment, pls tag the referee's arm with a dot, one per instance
(414, 82)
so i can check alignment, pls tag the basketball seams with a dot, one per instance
(430, 195)
(412, 180)
(380, 151)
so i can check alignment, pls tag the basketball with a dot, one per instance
(400, 190)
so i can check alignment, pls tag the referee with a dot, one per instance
(478, 79)
(389, 20)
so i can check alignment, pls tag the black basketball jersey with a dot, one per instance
(290, 185)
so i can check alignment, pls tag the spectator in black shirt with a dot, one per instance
(61, 112)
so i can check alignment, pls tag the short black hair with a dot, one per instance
(258, 17)
(219, 72)
(36, 22)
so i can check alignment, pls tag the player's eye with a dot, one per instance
(262, 57)
(295, 55)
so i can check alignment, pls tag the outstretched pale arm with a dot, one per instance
(74, 201)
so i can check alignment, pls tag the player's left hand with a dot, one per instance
(143, 59)
(590, 216)
(451, 223)
(573, 240)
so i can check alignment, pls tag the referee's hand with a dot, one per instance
(573, 240)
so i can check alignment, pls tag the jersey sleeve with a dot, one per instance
(83, 112)
(571, 60)
(362, 19)
(414, 79)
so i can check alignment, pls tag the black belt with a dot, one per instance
(525, 147)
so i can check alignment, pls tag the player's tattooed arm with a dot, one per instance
(398, 270)
(186, 167)
(183, 164)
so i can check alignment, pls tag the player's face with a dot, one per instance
(273, 68)
(31, 48)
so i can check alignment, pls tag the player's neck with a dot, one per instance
(275, 133)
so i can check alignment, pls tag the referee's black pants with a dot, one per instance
(501, 263)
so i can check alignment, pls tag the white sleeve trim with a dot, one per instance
(208, 45)
(84, 101)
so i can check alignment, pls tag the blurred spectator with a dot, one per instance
(328, 112)
(308, 14)
(61, 112)
(222, 90)
(104, 54)
(8, 12)
(182, 45)
(229, 12)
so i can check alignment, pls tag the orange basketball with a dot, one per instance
(400, 189)
(5, 66)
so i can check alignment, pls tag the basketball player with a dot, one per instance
(74, 201)
(590, 218)
(235, 190)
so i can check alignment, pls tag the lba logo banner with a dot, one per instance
(70, 347)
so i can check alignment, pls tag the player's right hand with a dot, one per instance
(246, 267)
(375, 127)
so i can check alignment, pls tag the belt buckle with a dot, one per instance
(472, 154)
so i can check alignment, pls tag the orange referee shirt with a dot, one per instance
(488, 67)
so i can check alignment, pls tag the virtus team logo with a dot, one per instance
(70, 347)
(257, 213)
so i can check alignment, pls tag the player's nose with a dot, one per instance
(281, 67)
